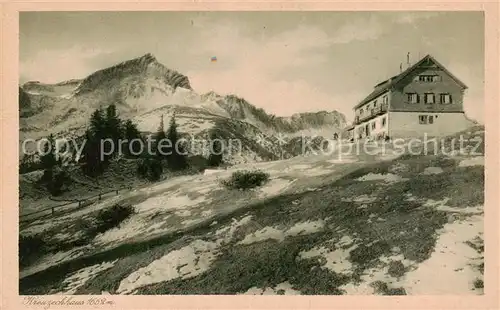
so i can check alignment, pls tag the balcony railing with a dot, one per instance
(371, 114)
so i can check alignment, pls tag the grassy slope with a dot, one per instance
(121, 174)
(268, 263)
(389, 220)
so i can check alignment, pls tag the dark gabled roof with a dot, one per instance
(384, 86)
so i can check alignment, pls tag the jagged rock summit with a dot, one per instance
(139, 71)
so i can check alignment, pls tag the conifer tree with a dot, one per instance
(149, 165)
(92, 149)
(161, 149)
(215, 149)
(130, 134)
(112, 129)
(97, 124)
(48, 160)
(176, 159)
(54, 177)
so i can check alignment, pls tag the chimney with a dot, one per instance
(408, 59)
(400, 67)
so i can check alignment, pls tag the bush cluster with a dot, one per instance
(112, 217)
(246, 179)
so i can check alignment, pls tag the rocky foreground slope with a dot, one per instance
(378, 223)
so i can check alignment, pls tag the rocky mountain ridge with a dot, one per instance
(144, 90)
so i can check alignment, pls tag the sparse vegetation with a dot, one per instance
(383, 289)
(32, 247)
(246, 179)
(478, 283)
(388, 222)
(396, 269)
(131, 133)
(93, 164)
(159, 146)
(215, 156)
(112, 217)
(55, 180)
(150, 168)
(96, 155)
(29, 164)
(29, 248)
(176, 154)
(54, 176)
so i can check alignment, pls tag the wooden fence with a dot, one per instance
(67, 205)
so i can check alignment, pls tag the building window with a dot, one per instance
(373, 125)
(385, 99)
(422, 119)
(375, 103)
(361, 132)
(429, 98)
(430, 119)
(383, 121)
(361, 111)
(429, 78)
(412, 98)
(445, 98)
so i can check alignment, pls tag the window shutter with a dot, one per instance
(418, 98)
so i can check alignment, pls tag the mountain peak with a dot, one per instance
(148, 58)
(139, 69)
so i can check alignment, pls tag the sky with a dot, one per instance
(283, 62)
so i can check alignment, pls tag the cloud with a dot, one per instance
(259, 66)
(414, 17)
(315, 64)
(359, 30)
(52, 66)
(474, 100)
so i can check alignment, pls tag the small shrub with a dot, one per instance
(55, 180)
(60, 179)
(26, 166)
(479, 283)
(396, 291)
(481, 267)
(396, 269)
(399, 168)
(383, 289)
(215, 157)
(363, 254)
(112, 217)
(29, 248)
(245, 179)
(149, 168)
(379, 287)
(197, 163)
(142, 168)
(443, 162)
